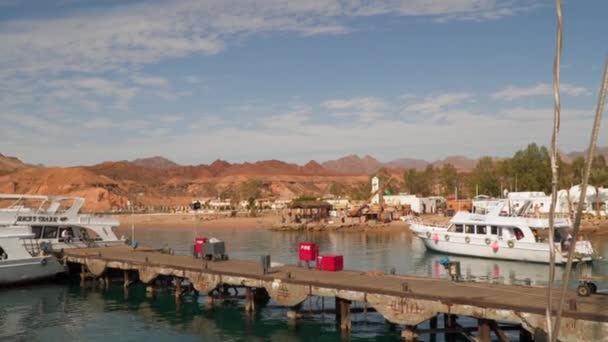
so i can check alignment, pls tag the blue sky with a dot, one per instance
(86, 81)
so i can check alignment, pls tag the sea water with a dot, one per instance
(65, 311)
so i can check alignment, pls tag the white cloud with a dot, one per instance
(434, 104)
(171, 118)
(131, 35)
(84, 90)
(363, 108)
(540, 89)
(150, 81)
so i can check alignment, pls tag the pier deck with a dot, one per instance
(400, 299)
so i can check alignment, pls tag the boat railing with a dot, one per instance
(31, 246)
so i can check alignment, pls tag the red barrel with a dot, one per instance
(330, 263)
(198, 244)
(308, 251)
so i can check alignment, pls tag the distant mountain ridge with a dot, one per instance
(158, 181)
(10, 164)
(155, 163)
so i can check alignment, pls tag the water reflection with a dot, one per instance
(380, 251)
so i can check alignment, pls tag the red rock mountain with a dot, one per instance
(10, 164)
(157, 182)
(354, 164)
(155, 163)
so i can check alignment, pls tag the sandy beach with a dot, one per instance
(189, 221)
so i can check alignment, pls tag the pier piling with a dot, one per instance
(409, 306)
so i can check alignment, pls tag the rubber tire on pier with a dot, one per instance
(583, 290)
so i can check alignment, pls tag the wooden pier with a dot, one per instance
(403, 300)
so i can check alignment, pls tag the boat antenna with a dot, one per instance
(577, 218)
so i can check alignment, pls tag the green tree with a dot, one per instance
(485, 177)
(419, 183)
(448, 178)
(530, 169)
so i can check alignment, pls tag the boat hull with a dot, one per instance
(22, 271)
(440, 240)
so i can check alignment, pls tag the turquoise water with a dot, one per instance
(67, 312)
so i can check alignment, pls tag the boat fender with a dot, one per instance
(428, 235)
(487, 241)
(43, 262)
(511, 243)
(467, 239)
(447, 237)
(495, 246)
(436, 238)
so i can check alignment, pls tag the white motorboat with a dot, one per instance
(32, 228)
(503, 234)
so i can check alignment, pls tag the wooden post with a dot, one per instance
(249, 301)
(524, 335)
(449, 322)
(178, 287)
(83, 274)
(483, 326)
(409, 333)
(292, 313)
(126, 279)
(433, 327)
(343, 314)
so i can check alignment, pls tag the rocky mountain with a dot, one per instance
(155, 163)
(157, 182)
(461, 163)
(408, 163)
(599, 150)
(10, 164)
(353, 164)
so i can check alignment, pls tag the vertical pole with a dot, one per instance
(449, 322)
(126, 282)
(483, 326)
(524, 335)
(178, 287)
(83, 274)
(345, 323)
(249, 301)
(433, 327)
(337, 311)
(409, 333)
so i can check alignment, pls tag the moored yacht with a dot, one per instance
(32, 228)
(503, 234)
(22, 262)
(56, 221)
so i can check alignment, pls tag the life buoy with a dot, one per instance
(447, 237)
(511, 244)
(43, 262)
(467, 239)
(487, 241)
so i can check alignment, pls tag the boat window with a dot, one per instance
(3, 255)
(458, 228)
(469, 229)
(481, 230)
(518, 233)
(37, 231)
(49, 232)
(494, 230)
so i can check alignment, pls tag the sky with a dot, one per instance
(85, 81)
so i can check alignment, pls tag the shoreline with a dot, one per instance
(273, 222)
(267, 222)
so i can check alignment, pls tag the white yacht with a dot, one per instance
(502, 233)
(32, 228)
